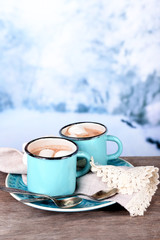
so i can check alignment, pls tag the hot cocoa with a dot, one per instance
(84, 130)
(52, 151)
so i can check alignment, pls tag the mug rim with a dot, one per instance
(82, 138)
(50, 158)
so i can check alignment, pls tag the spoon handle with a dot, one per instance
(99, 196)
(28, 200)
(20, 191)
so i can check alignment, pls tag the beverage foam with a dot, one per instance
(46, 153)
(62, 153)
(83, 130)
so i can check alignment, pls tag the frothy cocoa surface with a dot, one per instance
(54, 148)
(83, 131)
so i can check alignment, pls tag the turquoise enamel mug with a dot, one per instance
(52, 165)
(91, 137)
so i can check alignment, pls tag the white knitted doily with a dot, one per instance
(141, 182)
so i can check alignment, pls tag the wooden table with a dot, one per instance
(18, 221)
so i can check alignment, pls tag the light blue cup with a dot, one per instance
(57, 175)
(95, 145)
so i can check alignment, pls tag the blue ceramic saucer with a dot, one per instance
(15, 181)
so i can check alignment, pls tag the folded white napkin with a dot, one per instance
(136, 185)
(11, 161)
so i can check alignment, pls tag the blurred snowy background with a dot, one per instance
(69, 60)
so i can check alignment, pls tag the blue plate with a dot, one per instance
(15, 181)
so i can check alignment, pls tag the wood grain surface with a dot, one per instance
(18, 221)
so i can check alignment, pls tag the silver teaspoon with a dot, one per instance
(62, 203)
(98, 196)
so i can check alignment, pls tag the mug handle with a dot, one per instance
(87, 166)
(120, 147)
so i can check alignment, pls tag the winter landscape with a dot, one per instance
(66, 61)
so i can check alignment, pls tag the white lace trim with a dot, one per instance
(141, 182)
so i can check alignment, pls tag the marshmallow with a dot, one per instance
(77, 130)
(46, 153)
(62, 153)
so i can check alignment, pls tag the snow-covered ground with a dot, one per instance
(19, 126)
(81, 56)
(76, 60)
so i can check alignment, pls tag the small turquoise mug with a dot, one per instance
(94, 145)
(53, 175)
